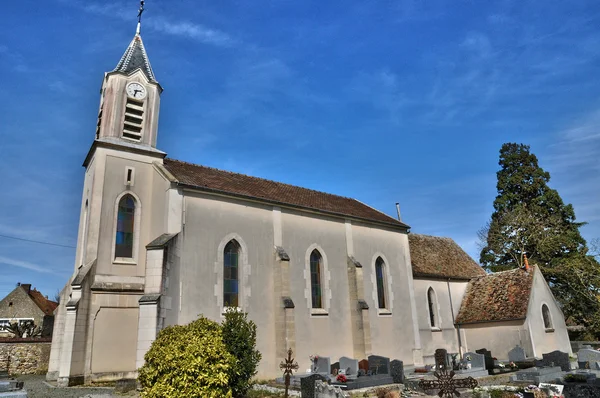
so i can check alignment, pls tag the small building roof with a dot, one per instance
(433, 256)
(501, 296)
(241, 185)
(135, 58)
(47, 306)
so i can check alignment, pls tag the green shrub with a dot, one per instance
(188, 361)
(239, 336)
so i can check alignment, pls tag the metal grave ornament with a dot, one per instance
(289, 366)
(447, 384)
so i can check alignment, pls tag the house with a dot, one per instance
(25, 304)
(161, 241)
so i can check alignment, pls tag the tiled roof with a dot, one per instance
(45, 305)
(495, 297)
(210, 179)
(134, 58)
(433, 256)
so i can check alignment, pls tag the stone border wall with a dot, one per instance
(24, 356)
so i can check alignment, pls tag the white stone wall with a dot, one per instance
(545, 341)
(211, 221)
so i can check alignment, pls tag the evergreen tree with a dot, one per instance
(531, 218)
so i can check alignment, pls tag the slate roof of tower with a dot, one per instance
(434, 256)
(219, 181)
(501, 296)
(135, 58)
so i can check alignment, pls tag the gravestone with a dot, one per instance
(489, 360)
(379, 365)
(397, 371)
(364, 365)
(441, 358)
(307, 385)
(477, 361)
(589, 357)
(555, 358)
(335, 368)
(517, 354)
(323, 365)
(350, 365)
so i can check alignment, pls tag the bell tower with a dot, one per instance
(130, 99)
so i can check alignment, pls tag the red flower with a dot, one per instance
(341, 378)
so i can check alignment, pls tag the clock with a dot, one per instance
(136, 90)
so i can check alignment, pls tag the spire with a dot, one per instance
(140, 12)
(135, 56)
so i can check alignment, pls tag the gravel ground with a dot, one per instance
(37, 388)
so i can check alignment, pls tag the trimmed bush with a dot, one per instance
(239, 336)
(188, 361)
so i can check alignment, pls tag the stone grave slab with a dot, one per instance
(489, 360)
(517, 354)
(324, 390)
(307, 385)
(441, 358)
(323, 365)
(397, 371)
(477, 362)
(367, 381)
(538, 375)
(555, 358)
(350, 365)
(379, 365)
(588, 356)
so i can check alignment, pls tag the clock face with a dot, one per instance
(136, 90)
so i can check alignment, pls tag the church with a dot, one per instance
(162, 241)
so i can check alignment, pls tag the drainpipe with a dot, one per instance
(453, 321)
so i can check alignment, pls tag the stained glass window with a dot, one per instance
(379, 269)
(315, 278)
(231, 274)
(125, 218)
(431, 303)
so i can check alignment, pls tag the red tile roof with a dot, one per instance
(433, 256)
(496, 297)
(45, 305)
(210, 179)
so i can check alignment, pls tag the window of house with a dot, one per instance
(4, 323)
(316, 265)
(432, 304)
(379, 276)
(547, 318)
(231, 283)
(125, 230)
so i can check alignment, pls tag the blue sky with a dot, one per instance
(383, 101)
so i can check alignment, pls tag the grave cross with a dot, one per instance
(289, 366)
(447, 384)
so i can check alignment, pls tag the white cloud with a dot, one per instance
(24, 264)
(186, 29)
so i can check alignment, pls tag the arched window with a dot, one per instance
(431, 304)
(379, 276)
(125, 230)
(231, 280)
(316, 264)
(546, 316)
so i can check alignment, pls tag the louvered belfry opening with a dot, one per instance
(134, 116)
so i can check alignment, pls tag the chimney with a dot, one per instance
(26, 286)
(398, 211)
(526, 262)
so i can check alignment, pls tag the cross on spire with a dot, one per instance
(140, 12)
